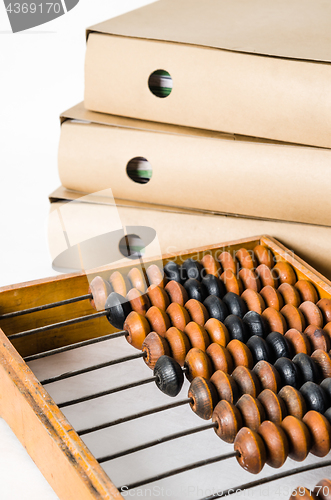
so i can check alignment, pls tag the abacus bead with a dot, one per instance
(117, 308)
(217, 332)
(172, 272)
(176, 292)
(169, 376)
(225, 385)
(100, 290)
(137, 279)
(235, 304)
(285, 273)
(268, 376)
(158, 320)
(216, 308)
(315, 397)
(204, 396)
(227, 262)
(213, 285)
(246, 380)
(118, 283)
(299, 341)
(294, 401)
(298, 437)
(312, 314)
(154, 346)
(325, 307)
(272, 297)
(307, 368)
(307, 291)
(256, 324)
(251, 410)
(220, 357)
(179, 344)
(294, 317)
(246, 258)
(302, 493)
(193, 269)
(326, 385)
(276, 443)
(228, 419)
(158, 297)
(179, 317)
(323, 489)
(266, 276)
(155, 275)
(211, 266)
(240, 353)
(320, 432)
(232, 283)
(137, 328)
(327, 329)
(317, 338)
(259, 349)
(288, 372)
(195, 289)
(323, 361)
(237, 328)
(249, 279)
(253, 301)
(197, 335)
(197, 311)
(278, 346)
(327, 415)
(197, 364)
(275, 320)
(290, 294)
(139, 302)
(251, 450)
(274, 406)
(263, 255)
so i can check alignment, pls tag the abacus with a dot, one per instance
(241, 380)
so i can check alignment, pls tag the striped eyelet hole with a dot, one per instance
(139, 170)
(160, 83)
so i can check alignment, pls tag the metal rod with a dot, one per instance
(92, 368)
(44, 307)
(134, 417)
(160, 440)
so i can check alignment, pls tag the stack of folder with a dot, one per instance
(209, 121)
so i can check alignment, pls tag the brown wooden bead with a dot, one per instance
(197, 335)
(158, 297)
(220, 357)
(197, 364)
(217, 331)
(294, 317)
(204, 396)
(211, 265)
(246, 380)
(176, 292)
(299, 341)
(285, 273)
(268, 376)
(298, 437)
(323, 361)
(275, 320)
(266, 276)
(323, 489)
(302, 493)
(179, 344)
(327, 329)
(232, 283)
(264, 255)
(294, 401)
(137, 279)
(290, 294)
(246, 258)
(137, 328)
(139, 301)
(241, 355)
(320, 432)
(225, 385)
(276, 443)
(312, 313)
(318, 338)
(228, 419)
(253, 300)
(158, 320)
(249, 279)
(197, 311)
(272, 298)
(100, 289)
(118, 283)
(227, 262)
(154, 346)
(307, 291)
(179, 317)
(252, 412)
(325, 307)
(274, 406)
(251, 451)
(155, 275)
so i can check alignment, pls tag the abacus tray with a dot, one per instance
(52, 442)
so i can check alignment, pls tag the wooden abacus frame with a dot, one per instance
(39, 424)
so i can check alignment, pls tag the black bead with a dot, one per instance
(169, 376)
(195, 290)
(259, 349)
(278, 345)
(326, 384)
(216, 308)
(288, 372)
(307, 367)
(193, 269)
(214, 286)
(237, 328)
(327, 415)
(173, 272)
(117, 308)
(236, 304)
(256, 324)
(315, 397)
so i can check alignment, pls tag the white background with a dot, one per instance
(41, 75)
